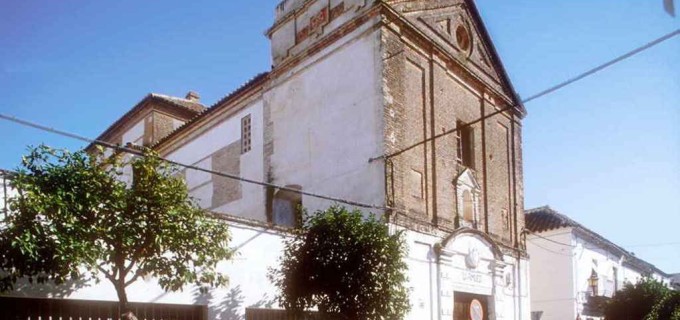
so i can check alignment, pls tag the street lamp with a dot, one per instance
(593, 282)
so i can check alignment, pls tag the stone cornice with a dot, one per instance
(400, 25)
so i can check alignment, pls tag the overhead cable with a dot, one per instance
(188, 166)
(320, 196)
(539, 94)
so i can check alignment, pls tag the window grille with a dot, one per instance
(246, 134)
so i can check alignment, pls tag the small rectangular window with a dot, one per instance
(465, 144)
(245, 134)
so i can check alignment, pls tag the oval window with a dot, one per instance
(463, 38)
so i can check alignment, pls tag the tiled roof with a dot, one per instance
(255, 80)
(545, 219)
(188, 104)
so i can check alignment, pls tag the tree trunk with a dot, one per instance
(125, 312)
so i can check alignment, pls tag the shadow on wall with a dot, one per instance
(23, 288)
(231, 306)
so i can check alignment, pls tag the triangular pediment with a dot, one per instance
(457, 27)
(467, 179)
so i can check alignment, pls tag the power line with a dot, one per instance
(550, 250)
(457, 128)
(548, 239)
(540, 94)
(604, 65)
(602, 243)
(188, 166)
(339, 200)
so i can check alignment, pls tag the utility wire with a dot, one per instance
(188, 166)
(604, 65)
(458, 128)
(602, 243)
(540, 94)
(550, 250)
(548, 239)
(320, 196)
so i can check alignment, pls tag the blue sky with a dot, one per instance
(605, 151)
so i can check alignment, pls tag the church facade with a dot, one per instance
(360, 104)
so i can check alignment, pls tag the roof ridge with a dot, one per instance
(211, 108)
(166, 96)
(565, 220)
(537, 209)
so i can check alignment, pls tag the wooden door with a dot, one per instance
(462, 303)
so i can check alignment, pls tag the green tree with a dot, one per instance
(636, 301)
(346, 264)
(668, 308)
(78, 216)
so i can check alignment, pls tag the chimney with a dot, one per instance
(193, 96)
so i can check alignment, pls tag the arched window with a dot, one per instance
(468, 206)
(286, 207)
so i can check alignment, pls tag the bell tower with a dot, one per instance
(300, 24)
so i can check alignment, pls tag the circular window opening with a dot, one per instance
(463, 38)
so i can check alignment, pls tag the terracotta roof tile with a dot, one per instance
(188, 104)
(214, 107)
(545, 219)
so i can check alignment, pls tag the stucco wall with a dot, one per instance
(6, 192)
(258, 250)
(560, 273)
(435, 279)
(552, 275)
(219, 149)
(325, 118)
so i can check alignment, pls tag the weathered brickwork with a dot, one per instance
(426, 92)
(162, 126)
(157, 125)
(228, 160)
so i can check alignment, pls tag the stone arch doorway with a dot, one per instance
(471, 268)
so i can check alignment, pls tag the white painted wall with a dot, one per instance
(552, 274)
(327, 122)
(258, 250)
(6, 192)
(135, 134)
(433, 282)
(423, 281)
(197, 152)
(559, 273)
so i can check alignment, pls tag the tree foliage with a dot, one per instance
(648, 299)
(81, 216)
(668, 308)
(343, 263)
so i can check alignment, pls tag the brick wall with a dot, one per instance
(426, 92)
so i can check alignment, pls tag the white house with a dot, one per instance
(353, 108)
(6, 191)
(574, 269)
